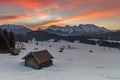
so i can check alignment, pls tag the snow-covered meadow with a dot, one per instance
(76, 63)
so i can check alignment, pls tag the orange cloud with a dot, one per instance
(27, 18)
(14, 17)
(54, 22)
(39, 8)
(32, 3)
(11, 17)
(46, 24)
(91, 15)
(96, 14)
(35, 28)
(44, 12)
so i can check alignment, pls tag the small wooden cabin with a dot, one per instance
(38, 59)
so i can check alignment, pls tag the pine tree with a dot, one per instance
(6, 34)
(4, 44)
(1, 42)
(12, 40)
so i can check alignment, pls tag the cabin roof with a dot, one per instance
(40, 56)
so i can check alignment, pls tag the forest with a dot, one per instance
(7, 42)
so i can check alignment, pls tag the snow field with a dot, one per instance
(72, 64)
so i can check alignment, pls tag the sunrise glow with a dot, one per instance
(43, 13)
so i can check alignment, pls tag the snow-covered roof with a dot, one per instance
(40, 56)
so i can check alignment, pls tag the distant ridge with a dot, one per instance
(17, 29)
(82, 29)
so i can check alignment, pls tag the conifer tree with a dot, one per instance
(12, 40)
(4, 44)
(6, 34)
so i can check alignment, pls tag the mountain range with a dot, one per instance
(58, 31)
(17, 29)
(82, 29)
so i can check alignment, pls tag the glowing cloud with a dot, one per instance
(58, 12)
(12, 17)
(96, 14)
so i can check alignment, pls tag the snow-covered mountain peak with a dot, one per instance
(82, 29)
(17, 29)
(93, 28)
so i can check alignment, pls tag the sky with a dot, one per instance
(43, 13)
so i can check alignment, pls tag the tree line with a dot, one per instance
(108, 44)
(7, 41)
(44, 36)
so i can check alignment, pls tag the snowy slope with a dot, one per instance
(82, 29)
(17, 29)
(73, 64)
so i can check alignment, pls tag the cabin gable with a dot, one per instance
(32, 62)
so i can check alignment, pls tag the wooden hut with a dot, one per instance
(38, 59)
